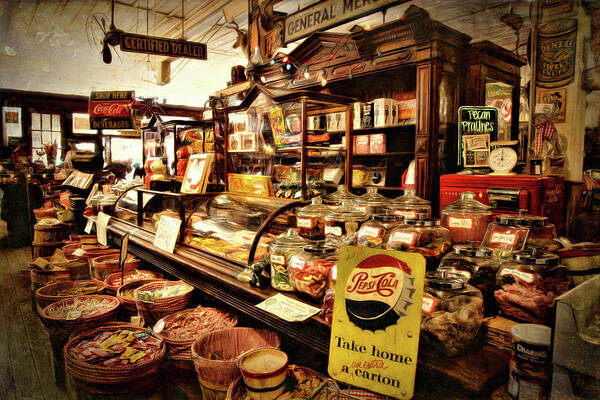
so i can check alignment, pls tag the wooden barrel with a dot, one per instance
(46, 234)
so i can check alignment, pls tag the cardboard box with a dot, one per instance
(361, 144)
(377, 143)
(385, 112)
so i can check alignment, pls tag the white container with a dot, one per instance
(265, 371)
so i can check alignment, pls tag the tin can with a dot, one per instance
(556, 53)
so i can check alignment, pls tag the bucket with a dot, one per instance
(530, 362)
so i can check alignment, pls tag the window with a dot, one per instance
(46, 129)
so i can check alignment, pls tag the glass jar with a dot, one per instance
(542, 233)
(310, 269)
(341, 195)
(505, 236)
(410, 206)
(376, 231)
(479, 266)
(467, 219)
(342, 225)
(281, 251)
(310, 220)
(372, 202)
(528, 284)
(452, 312)
(425, 236)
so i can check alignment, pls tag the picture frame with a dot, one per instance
(196, 175)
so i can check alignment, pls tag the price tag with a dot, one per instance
(307, 223)
(101, 225)
(428, 304)
(460, 223)
(88, 226)
(166, 234)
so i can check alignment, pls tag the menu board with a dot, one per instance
(477, 127)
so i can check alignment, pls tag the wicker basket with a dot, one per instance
(129, 304)
(106, 375)
(217, 375)
(46, 294)
(40, 278)
(153, 311)
(41, 213)
(66, 326)
(111, 285)
(105, 265)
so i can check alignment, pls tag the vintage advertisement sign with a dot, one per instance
(327, 14)
(112, 109)
(376, 320)
(162, 46)
(477, 127)
(556, 53)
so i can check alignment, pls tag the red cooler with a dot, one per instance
(507, 194)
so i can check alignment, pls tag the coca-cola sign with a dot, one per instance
(111, 109)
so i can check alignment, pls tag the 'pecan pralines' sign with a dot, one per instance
(556, 53)
(162, 46)
(111, 109)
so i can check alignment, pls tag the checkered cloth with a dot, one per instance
(544, 130)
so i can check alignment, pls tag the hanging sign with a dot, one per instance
(112, 109)
(376, 320)
(327, 14)
(556, 53)
(162, 46)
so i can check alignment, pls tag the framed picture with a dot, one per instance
(257, 185)
(81, 124)
(476, 150)
(198, 168)
(557, 98)
(11, 124)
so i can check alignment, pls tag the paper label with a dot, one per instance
(88, 226)
(370, 231)
(407, 214)
(466, 274)
(297, 263)
(101, 228)
(333, 230)
(509, 239)
(429, 304)
(461, 223)
(308, 223)
(278, 259)
(166, 233)
(524, 276)
(79, 253)
(287, 308)
(407, 238)
(363, 209)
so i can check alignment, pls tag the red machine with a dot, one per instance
(539, 195)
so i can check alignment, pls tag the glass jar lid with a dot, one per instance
(410, 199)
(341, 194)
(347, 212)
(445, 279)
(372, 198)
(537, 257)
(320, 249)
(387, 217)
(289, 239)
(422, 221)
(314, 209)
(534, 221)
(468, 204)
(471, 251)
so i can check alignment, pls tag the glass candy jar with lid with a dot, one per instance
(505, 235)
(372, 202)
(281, 251)
(342, 224)
(478, 266)
(376, 231)
(452, 312)
(542, 233)
(310, 269)
(423, 235)
(528, 285)
(310, 220)
(341, 195)
(467, 219)
(410, 206)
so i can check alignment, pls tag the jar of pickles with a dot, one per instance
(505, 236)
(452, 312)
(310, 220)
(310, 269)
(342, 225)
(281, 251)
(478, 267)
(341, 195)
(410, 206)
(528, 285)
(376, 231)
(467, 219)
(372, 202)
(425, 236)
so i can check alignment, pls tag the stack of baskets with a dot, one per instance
(153, 310)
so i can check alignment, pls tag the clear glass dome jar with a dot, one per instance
(376, 231)
(341, 195)
(505, 236)
(467, 219)
(425, 236)
(542, 233)
(281, 251)
(479, 266)
(410, 206)
(372, 202)
(342, 225)
(310, 220)
(528, 284)
(310, 269)
(452, 313)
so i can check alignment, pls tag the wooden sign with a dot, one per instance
(162, 46)
(556, 53)
(376, 320)
(166, 233)
(327, 14)
(112, 109)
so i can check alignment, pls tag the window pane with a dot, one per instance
(36, 121)
(46, 125)
(46, 137)
(36, 139)
(56, 123)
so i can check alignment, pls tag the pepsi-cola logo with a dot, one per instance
(383, 283)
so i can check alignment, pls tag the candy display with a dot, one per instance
(310, 220)
(82, 306)
(376, 231)
(281, 251)
(342, 225)
(162, 292)
(113, 281)
(372, 202)
(528, 285)
(467, 219)
(410, 206)
(309, 269)
(192, 323)
(452, 312)
(505, 236)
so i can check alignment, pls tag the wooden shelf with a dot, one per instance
(411, 124)
(387, 154)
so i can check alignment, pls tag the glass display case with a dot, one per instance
(288, 143)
